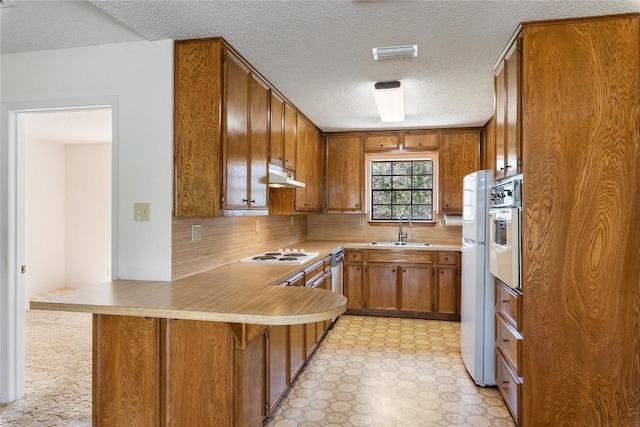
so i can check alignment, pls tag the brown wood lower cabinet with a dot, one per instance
(278, 364)
(150, 372)
(404, 283)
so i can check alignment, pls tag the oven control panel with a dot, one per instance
(507, 193)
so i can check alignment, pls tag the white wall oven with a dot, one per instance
(504, 232)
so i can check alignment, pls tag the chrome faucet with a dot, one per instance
(401, 235)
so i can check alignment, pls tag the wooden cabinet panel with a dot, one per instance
(460, 155)
(276, 139)
(236, 132)
(512, 154)
(400, 256)
(508, 304)
(203, 369)
(354, 285)
(416, 288)
(353, 256)
(297, 350)
(277, 372)
(344, 174)
(501, 118)
(126, 371)
(381, 141)
(420, 140)
(309, 170)
(509, 341)
(197, 128)
(382, 290)
(290, 138)
(259, 143)
(446, 298)
(310, 334)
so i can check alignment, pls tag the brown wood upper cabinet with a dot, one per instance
(508, 83)
(419, 140)
(221, 137)
(245, 137)
(309, 162)
(459, 156)
(345, 174)
(381, 141)
(283, 133)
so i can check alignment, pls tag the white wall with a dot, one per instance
(45, 217)
(88, 214)
(140, 74)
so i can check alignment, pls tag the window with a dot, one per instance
(401, 186)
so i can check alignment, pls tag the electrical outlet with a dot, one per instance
(196, 232)
(361, 221)
(141, 211)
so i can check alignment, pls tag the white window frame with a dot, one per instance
(426, 155)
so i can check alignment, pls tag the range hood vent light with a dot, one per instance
(279, 179)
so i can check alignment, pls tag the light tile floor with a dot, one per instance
(379, 372)
(388, 372)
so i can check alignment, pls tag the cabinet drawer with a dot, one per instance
(445, 258)
(312, 272)
(509, 383)
(508, 304)
(297, 280)
(416, 257)
(509, 341)
(420, 141)
(381, 142)
(353, 256)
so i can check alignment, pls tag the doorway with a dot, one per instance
(13, 268)
(67, 199)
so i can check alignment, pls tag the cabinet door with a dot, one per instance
(304, 152)
(417, 288)
(460, 156)
(277, 375)
(236, 133)
(290, 126)
(382, 287)
(513, 133)
(297, 353)
(197, 144)
(125, 347)
(445, 292)
(259, 144)
(501, 116)
(310, 335)
(354, 285)
(276, 140)
(344, 174)
(420, 140)
(381, 141)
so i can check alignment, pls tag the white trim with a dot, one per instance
(12, 296)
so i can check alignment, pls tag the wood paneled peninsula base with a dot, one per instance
(191, 352)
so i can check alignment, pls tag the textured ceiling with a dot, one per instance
(318, 53)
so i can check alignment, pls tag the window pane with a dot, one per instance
(381, 212)
(401, 182)
(424, 212)
(401, 197)
(422, 181)
(380, 182)
(401, 168)
(381, 197)
(422, 198)
(398, 210)
(381, 168)
(424, 167)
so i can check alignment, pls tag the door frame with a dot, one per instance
(12, 228)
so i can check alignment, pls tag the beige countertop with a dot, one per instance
(235, 293)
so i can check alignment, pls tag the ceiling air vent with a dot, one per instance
(389, 52)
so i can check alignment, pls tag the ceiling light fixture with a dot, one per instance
(5, 3)
(390, 101)
(406, 51)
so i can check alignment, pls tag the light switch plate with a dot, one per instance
(196, 232)
(141, 211)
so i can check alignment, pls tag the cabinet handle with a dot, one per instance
(505, 382)
(393, 271)
(404, 271)
(381, 145)
(505, 339)
(505, 301)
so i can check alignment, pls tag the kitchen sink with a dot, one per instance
(406, 244)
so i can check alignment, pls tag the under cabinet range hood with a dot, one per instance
(280, 179)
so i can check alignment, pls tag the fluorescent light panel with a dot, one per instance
(390, 101)
(406, 51)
